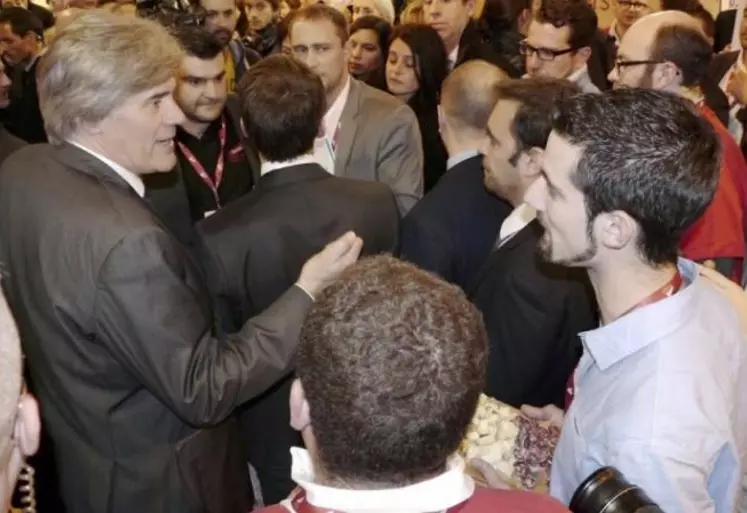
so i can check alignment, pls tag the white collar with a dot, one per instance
(516, 221)
(334, 113)
(439, 493)
(453, 57)
(578, 74)
(461, 157)
(128, 176)
(270, 166)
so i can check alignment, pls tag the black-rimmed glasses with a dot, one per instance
(544, 54)
(621, 63)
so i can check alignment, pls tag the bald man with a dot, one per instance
(451, 231)
(20, 424)
(668, 51)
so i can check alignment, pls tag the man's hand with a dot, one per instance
(321, 269)
(737, 85)
(550, 414)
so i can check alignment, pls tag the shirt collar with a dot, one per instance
(334, 113)
(269, 166)
(439, 493)
(461, 157)
(453, 56)
(640, 328)
(516, 221)
(131, 178)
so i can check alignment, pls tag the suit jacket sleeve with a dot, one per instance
(399, 161)
(159, 328)
(523, 327)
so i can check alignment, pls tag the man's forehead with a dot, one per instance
(547, 33)
(218, 5)
(313, 31)
(196, 67)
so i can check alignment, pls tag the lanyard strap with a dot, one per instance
(200, 169)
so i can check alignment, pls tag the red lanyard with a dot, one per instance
(200, 169)
(668, 289)
(301, 505)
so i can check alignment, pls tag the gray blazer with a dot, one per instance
(117, 325)
(380, 140)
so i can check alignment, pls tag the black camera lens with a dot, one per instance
(607, 491)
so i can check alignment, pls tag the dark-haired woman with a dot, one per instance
(415, 69)
(367, 44)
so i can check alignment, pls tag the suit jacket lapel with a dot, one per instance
(348, 127)
(81, 160)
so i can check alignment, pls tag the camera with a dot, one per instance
(607, 490)
(172, 13)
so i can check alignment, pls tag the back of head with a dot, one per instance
(646, 153)
(22, 21)
(537, 97)
(65, 17)
(578, 15)
(82, 78)
(469, 94)
(319, 12)
(10, 377)
(431, 61)
(686, 46)
(198, 42)
(392, 360)
(282, 104)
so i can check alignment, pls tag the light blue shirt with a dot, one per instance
(460, 157)
(661, 394)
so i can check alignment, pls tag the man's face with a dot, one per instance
(317, 44)
(222, 16)
(448, 18)
(560, 206)
(16, 49)
(499, 151)
(201, 88)
(4, 86)
(551, 39)
(634, 48)
(743, 31)
(139, 135)
(628, 12)
(259, 13)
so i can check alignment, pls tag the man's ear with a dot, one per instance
(666, 76)
(300, 416)
(532, 163)
(28, 425)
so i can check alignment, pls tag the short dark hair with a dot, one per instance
(282, 106)
(431, 61)
(578, 15)
(198, 42)
(537, 97)
(318, 12)
(685, 47)
(22, 21)
(382, 28)
(647, 153)
(392, 360)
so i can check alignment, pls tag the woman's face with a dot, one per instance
(401, 65)
(365, 53)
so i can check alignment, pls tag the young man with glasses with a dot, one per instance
(628, 12)
(668, 52)
(558, 43)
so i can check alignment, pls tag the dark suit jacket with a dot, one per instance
(44, 15)
(724, 29)
(256, 247)
(452, 230)
(472, 46)
(23, 117)
(602, 59)
(117, 326)
(380, 141)
(720, 64)
(533, 312)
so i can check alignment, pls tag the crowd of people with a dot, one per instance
(271, 255)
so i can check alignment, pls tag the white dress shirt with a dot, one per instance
(270, 166)
(451, 62)
(128, 176)
(324, 147)
(436, 494)
(515, 222)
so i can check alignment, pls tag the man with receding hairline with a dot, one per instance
(452, 230)
(668, 51)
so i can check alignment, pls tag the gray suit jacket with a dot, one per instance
(380, 140)
(117, 326)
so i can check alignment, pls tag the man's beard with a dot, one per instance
(223, 35)
(197, 118)
(545, 250)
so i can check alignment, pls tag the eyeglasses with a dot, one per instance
(620, 63)
(544, 54)
(632, 5)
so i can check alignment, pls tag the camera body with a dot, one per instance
(172, 13)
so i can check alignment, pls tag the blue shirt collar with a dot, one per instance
(461, 157)
(623, 337)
